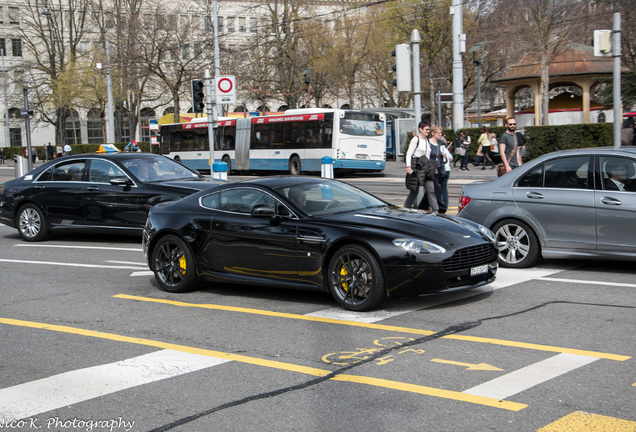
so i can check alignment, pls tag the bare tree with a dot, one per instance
(51, 31)
(544, 29)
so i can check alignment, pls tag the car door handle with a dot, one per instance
(92, 188)
(40, 187)
(534, 195)
(611, 201)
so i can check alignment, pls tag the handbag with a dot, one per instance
(461, 151)
(411, 181)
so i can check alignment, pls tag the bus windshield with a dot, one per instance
(361, 124)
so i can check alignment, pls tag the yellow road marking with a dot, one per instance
(395, 385)
(531, 346)
(585, 422)
(430, 391)
(468, 366)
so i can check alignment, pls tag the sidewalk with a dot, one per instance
(397, 169)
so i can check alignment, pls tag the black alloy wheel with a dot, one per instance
(31, 223)
(173, 265)
(355, 279)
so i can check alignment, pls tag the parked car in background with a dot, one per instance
(568, 204)
(316, 234)
(94, 192)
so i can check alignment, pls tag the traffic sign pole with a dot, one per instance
(210, 103)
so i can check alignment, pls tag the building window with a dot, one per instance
(3, 46)
(230, 24)
(122, 123)
(16, 137)
(94, 127)
(185, 52)
(16, 45)
(14, 13)
(72, 132)
(220, 24)
(207, 24)
(242, 24)
(253, 25)
(1, 14)
(147, 114)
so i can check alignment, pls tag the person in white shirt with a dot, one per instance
(420, 147)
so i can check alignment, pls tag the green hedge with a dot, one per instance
(546, 139)
(76, 149)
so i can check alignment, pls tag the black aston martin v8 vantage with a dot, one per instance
(314, 233)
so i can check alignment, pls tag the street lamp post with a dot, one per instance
(478, 63)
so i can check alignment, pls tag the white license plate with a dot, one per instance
(474, 271)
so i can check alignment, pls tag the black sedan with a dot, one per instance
(317, 234)
(94, 192)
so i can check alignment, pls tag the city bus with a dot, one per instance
(293, 142)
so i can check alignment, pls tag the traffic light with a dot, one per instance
(402, 67)
(198, 95)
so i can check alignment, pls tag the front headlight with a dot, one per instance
(418, 246)
(487, 234)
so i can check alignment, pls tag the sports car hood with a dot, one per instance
(417, 224)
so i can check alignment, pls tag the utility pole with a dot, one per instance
(109, 84)
(417, 93)
(616, 53)
(459, 47)
(27, 124)
(6, 105)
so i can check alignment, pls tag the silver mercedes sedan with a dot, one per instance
(568, 204)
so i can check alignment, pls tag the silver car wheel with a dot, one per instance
(518, 245)
(31, 223)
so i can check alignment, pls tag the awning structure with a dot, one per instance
(577, 66)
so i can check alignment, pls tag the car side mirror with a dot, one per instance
(262, 210)
(121, 181)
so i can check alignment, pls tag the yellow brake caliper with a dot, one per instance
(343, 272)
(182, 265)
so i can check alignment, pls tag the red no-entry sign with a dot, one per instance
(225, 89)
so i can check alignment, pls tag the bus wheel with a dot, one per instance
(294, 165)
(227, 160)
(177, 159)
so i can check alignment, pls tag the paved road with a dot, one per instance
(90, 343)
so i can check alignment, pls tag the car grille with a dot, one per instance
(470, 257)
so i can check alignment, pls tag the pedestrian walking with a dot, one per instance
(417, 158)
(511, 144)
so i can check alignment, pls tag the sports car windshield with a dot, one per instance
(318, 199)
(158, 169)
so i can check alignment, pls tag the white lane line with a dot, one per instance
(589, 282)
(140, 264)
(77, 247)
(530, 376)
(505, 278)
(142, 273)
(127, 267)
(40, 396)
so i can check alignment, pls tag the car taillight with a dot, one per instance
(463, 202)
